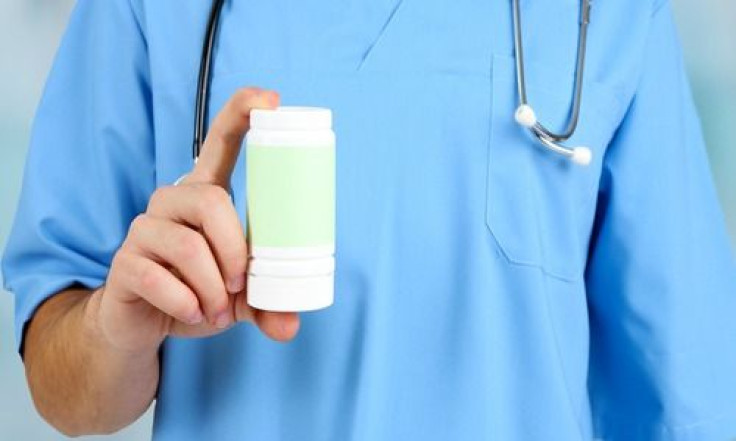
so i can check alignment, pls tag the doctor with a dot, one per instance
(487, 287)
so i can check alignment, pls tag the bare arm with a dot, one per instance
(79, 382)
(92, 357)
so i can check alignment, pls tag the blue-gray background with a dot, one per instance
(30, 32)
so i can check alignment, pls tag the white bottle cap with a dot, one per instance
(291, 294)
(291, 284)
(291, 118)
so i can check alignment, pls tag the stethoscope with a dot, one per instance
(524, 114)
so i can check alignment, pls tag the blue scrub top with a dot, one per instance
(485, 289)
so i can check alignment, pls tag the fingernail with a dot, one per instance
(222, 320)
(274, 98)
(196, 318)
(236, 284)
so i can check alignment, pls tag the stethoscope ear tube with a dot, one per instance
(525, 115)
(203, 82)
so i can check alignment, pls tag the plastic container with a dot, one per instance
(290, 188)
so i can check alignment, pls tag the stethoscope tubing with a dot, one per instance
(205, 77)
(546, 137)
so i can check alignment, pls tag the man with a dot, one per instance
(485, 288)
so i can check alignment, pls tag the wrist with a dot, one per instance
(98, 335)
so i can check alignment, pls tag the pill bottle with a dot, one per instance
(290, 208)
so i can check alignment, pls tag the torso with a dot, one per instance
(460, 307)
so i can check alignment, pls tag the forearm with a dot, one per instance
(79, 382)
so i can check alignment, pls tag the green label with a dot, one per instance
(291, 195)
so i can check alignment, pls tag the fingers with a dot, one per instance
(187, 251)
(208, 208)
(221, 148)
(157, 286)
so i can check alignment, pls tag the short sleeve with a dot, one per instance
(661, 276)
(90, 164)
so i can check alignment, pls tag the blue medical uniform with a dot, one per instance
(486, 289)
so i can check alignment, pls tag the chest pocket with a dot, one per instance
(540, 206)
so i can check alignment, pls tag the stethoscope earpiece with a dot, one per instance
(582, 156)
(525, 116)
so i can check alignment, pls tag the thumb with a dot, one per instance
(222, 145)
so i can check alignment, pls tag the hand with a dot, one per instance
(182, 269)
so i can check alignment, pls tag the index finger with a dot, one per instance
(222, 145)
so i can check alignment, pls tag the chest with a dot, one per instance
(423, 94)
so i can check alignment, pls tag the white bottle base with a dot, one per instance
(291, 294)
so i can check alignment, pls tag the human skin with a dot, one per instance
(91, 356)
